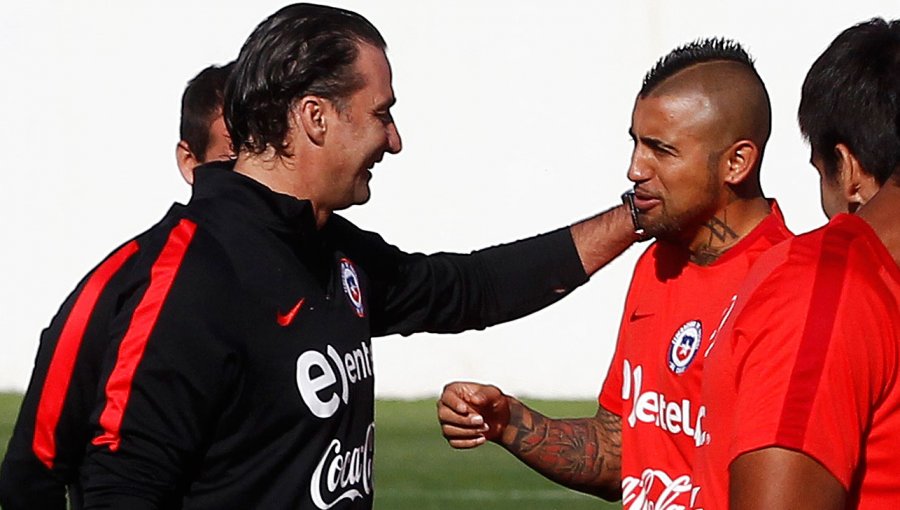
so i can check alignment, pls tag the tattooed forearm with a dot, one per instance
(582, 454)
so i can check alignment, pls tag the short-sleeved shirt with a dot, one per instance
(808, 361)
(653, 383)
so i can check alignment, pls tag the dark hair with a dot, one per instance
(300, 50)
(696, 52)
(851, 95)
(200, 104)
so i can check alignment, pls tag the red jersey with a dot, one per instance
(653, 382)
(808, 361)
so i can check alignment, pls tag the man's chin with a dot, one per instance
(358, 199)
(362, 196)
(660, 229)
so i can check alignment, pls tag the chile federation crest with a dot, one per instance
(350, 281)
(684, 346)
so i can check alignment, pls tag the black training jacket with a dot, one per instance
(226, 354)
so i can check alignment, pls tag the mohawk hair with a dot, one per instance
(696, 52)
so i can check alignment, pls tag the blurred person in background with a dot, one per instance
(40, 469)
(204, 136)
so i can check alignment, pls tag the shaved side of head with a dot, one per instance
(737, 102)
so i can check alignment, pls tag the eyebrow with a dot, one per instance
(652, 142)
(386, 104)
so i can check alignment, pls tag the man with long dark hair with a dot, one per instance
(242, 375)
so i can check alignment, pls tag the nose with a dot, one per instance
(639, 170)
(395, 145)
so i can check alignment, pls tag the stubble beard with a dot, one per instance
(666, 226)
(684, 224)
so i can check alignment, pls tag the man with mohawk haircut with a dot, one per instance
(700, 125)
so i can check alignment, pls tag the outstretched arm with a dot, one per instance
(603, 237)
(582, 453)
(453, 292)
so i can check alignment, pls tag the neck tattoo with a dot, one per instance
(721, 238)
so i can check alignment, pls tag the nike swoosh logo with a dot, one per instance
(286, 319)
(635, 316)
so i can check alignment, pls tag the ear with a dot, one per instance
(187, 161)
(741, 159)
(857, 185)
(309, 115)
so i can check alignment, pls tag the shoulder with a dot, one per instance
(179, 248)
(342, 231)
(825, 283)
(367, 248)
(793, 259)
(826, 257)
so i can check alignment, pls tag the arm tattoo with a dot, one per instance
(583, 454)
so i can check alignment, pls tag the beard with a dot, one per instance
(676, 224)
(668, 226)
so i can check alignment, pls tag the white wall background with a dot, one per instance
(514, 117)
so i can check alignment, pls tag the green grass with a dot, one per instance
(416, 469)
(9, 409)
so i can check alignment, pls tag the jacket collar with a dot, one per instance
(278, 211)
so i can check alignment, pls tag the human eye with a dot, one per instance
(385, 116)
(661, 149)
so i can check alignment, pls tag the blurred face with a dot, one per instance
(363, 132)
(674, 164)
(219, 147)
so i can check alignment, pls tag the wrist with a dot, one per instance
(505, 429)
(628, 200)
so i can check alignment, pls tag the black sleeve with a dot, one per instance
(447, 292)
(26, 484)
(51, 431)
(166, 379)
